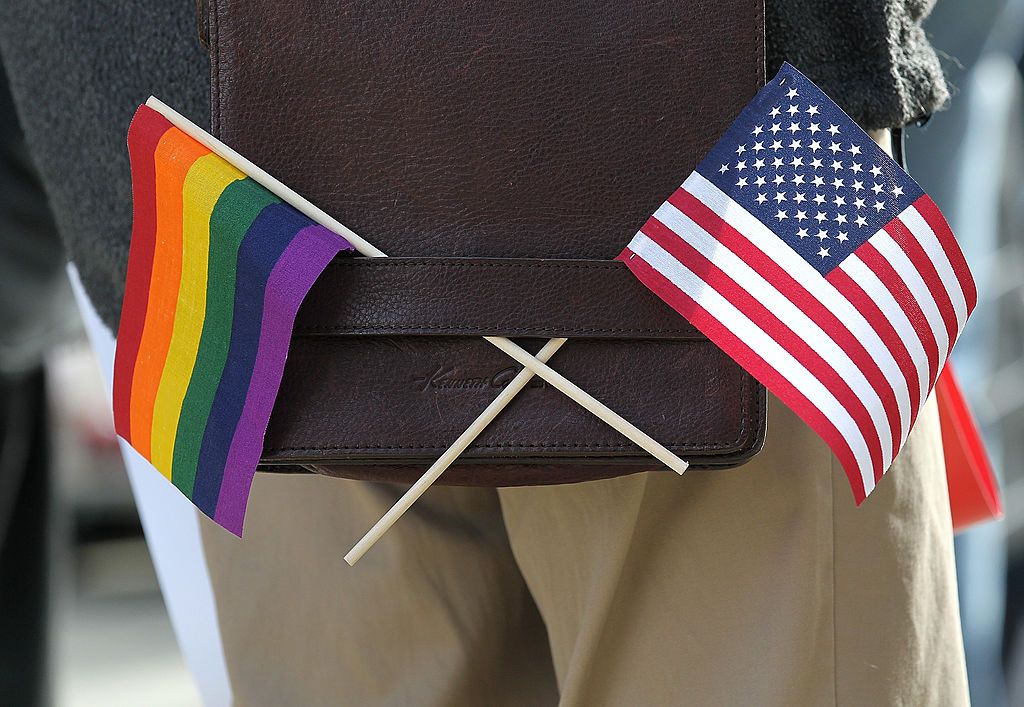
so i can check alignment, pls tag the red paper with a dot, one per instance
(973, 491)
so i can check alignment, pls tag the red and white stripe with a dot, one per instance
(854, 353)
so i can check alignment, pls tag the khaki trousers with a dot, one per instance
(761, 585)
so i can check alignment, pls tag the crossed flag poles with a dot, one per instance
(532, 365)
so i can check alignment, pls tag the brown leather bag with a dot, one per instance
(503, 153)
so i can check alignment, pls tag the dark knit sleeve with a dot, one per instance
(78, 70)
(871, 56)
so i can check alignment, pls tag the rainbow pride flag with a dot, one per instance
(217, 269)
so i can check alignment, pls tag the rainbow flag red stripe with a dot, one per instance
(217, 269)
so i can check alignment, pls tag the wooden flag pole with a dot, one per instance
(451, 454)
(258, 174)
(532, 365)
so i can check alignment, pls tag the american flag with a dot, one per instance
(805, 253)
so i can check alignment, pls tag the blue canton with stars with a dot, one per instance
(809, 173)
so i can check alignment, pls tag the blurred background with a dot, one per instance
(82, 622)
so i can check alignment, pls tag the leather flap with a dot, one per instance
(486, 297)
(373, 399)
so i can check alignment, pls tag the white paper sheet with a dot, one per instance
(171, 526)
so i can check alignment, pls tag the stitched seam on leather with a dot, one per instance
(427, 262)
(759, 46)
(743, 427)
(215, 66)
(693, 334)
(502, 445)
